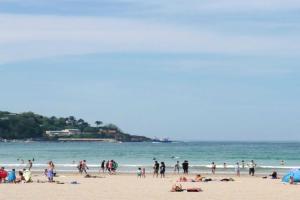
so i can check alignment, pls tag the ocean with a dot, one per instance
(130, 156)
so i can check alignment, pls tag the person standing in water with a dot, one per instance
(176, 167)
(155, 169)
(243, 164)
(162, 170)
(84, 167)
(185, 167)
(103, 166)
(213, 168)
(29, 165)
(237, 169)
(252, 166)
(79, 167)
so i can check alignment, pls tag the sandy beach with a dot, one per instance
(128, 186)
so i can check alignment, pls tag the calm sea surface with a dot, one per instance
(129, 156)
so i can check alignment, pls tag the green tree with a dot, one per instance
(98, 123)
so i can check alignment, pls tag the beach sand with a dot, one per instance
(128, 187)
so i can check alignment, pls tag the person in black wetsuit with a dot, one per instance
(155, 169)
(185, 167)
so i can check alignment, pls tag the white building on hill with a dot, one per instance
(65, 132)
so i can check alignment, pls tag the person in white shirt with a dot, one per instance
(252, 166)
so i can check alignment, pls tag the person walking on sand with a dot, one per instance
(162, 170)
(29, 165)
(252, 166)
(84, 167)
(50, 171)
(144, 172)
(155, 169)
(79, 167)
(176, 167)
(213, 168)
(237, 169)
(243, 164)
(139, 172)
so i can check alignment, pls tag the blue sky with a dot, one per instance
(202, 70)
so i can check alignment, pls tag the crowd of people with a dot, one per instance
(160, 168)
(110, 166)
(24, 176)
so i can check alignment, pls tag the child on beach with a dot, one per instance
(50, 171)
(144, 173)
(237, 169)
(176, 167)
(139, 173)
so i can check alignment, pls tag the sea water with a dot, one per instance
(130, 156)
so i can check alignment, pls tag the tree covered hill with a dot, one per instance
(30, 125)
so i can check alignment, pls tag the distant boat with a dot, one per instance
(163, 140)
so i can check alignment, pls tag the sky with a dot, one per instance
(187, 70)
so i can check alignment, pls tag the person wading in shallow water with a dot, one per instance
(252, 166)
(84, 166)
(103, 166)
(162, 170)
(185, 167)
(213, 168)
(29, 165)
(155, 169)
(176, 167)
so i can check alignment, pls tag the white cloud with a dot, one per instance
(29, 37)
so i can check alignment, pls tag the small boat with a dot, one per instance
(163, 140)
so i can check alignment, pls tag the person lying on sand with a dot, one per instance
(198, 178)
(90, 176)
(178, 188)
(227, 179)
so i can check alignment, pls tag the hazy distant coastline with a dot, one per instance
(31, 126)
